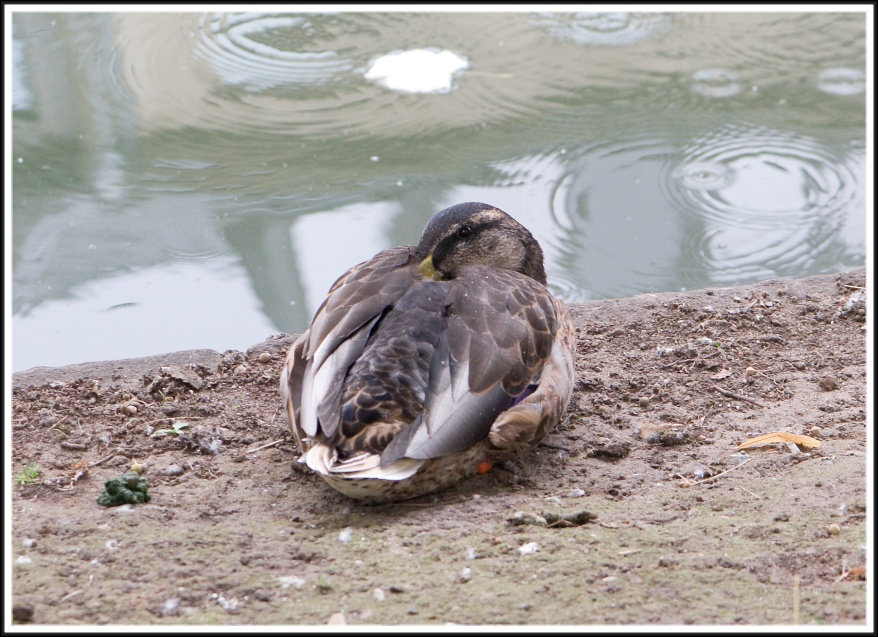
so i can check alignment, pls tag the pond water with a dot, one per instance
(185, 180)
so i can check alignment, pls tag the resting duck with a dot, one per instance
(425, 362)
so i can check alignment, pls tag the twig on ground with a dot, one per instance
(755, 495)
(183, 418)
(276, 412)
(265, 446)
(737, 466)
(102, 460)
(729, 394)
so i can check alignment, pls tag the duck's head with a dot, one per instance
(477, 234)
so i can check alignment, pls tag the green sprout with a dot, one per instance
(178, 426)
(29, 474)
(323, 584)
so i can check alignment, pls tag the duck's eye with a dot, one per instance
(464, 232)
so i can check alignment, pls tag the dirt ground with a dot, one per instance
(688, 529)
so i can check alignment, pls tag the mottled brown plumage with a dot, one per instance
(425, 359)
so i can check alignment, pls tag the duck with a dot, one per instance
(427, 364)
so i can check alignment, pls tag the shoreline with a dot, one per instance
(676, 523)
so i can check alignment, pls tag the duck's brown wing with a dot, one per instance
(499, 333)
(318, 360)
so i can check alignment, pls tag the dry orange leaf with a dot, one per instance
(806, 442)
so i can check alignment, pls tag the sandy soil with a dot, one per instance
(688, 529)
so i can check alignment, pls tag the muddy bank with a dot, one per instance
(638, 509)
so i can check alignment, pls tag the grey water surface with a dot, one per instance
(185, 180)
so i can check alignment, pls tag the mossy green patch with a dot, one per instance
(130, 488)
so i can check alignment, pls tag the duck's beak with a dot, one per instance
(427, 270)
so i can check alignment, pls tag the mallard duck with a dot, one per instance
(425, 362)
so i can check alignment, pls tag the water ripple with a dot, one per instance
(842, 81)
(716, 82)
(260, 51)
(603, 29)
(266, 75)
(761, 202)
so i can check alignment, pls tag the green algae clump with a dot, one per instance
(130, 488)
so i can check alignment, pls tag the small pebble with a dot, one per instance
(378, 594)
(529, 548)
(22, 613)
(751, 371)
(833, 529)
(23, 560)
(644, 402)
(171, 607)
(814, 431)
(345, 535)
(828, 383)
(466, 574)
(290, 580)
(525, 517)
(337, 619)
(28, 543)
(265, 357)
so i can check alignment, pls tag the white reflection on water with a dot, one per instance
(22, 98)
(328, 243)
(146, 312)
(623, 237)
(417, 71)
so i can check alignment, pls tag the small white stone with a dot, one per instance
(290, 580)
(378, 594)
(227, 604)
(466, 574)
(529, 548)
(23, 560)
(345, 536)
(28, 543)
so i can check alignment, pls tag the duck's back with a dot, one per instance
(385, 388)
